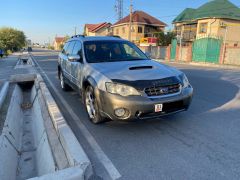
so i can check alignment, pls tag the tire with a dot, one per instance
(92, 107)
(64, 86)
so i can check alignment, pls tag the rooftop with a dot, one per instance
(59, 39)
(96, 27)
(141, 17)
(212, 9)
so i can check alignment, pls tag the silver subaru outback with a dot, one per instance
(117, 81)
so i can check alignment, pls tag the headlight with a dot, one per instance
(120, 89)
(184, 80)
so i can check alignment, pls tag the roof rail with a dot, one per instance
(78, 35)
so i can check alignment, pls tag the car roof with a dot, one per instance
(96, 38)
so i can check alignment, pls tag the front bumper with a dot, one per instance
(139, 107)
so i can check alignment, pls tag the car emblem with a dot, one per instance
(164, 90)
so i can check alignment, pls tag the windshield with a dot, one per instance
(112, 51)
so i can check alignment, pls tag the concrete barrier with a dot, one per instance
(75, 153)
(3, 93)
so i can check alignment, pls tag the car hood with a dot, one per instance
(135, 70)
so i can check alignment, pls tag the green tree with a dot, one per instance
(12, 39)
(164, 39)
(66, 38)
(61, 46)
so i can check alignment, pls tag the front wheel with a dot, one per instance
(92, 106)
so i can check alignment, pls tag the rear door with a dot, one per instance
(76, 67)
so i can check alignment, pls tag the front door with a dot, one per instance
(68, 63)
(76, 67)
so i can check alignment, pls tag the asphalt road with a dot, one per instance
(202, 143)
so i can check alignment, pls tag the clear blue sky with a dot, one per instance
(44, 19)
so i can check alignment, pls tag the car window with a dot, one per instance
(112, 51)
(70, 47)
(77, 50)
(65, 48)
(130, 51)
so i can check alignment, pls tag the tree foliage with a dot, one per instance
(12, 39)
(164, 39)
(66, 38)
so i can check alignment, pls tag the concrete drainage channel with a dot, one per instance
(35, 142)
(24, 61)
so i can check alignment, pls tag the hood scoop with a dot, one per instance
(140, 67)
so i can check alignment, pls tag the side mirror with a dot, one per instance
(148, 54)
(74, 58)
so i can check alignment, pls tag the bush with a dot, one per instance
(61, 46)
(51, 47)
(8, 52)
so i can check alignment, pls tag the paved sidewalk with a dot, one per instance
(200, 64)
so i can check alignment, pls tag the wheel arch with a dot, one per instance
(59, 70)
(89, 81)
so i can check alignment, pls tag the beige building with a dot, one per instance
(101, 29)
(143, 26)
(212, 19)
(58, 42)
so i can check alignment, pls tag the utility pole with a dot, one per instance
(181, 37)
(224, 43)
(75, 30)
(130, 22)
(49, 41)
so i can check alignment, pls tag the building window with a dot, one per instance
(140, 29)
(123, 30)
(178, 30)
(117, 31)
(203, 27)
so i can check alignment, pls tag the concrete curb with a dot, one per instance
(75, 153)
(222, 66)
(3, 93)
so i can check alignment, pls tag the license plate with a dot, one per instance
(158, 107)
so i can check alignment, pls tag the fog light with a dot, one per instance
(120, 112)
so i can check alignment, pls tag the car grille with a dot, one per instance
(163, 90)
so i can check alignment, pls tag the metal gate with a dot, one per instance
(173, 49)
(206, 50)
